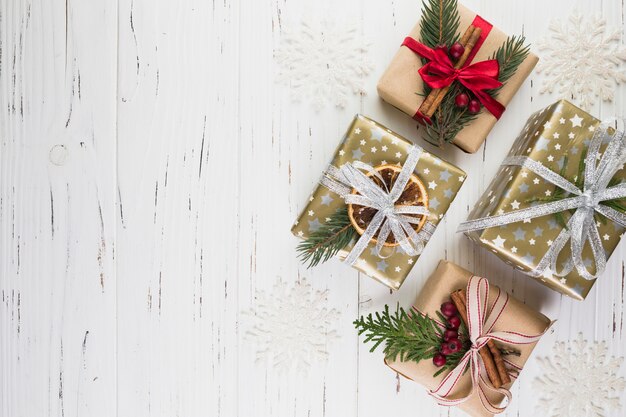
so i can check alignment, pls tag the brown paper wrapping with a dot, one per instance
(448, 278)
(400, 83)
(553, 136)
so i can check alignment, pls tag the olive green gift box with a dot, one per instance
(374, 144)
(556, 136)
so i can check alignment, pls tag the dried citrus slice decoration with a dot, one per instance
(414, 194)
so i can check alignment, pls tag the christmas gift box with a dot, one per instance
(555, 209)
(455, 73)
(463, 339)
(377, 203)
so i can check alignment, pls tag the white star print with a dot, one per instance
(461, 178)
(555, 135)
(536, 181)
(383, 162)
(357, 131)
(571, 135)
(398, 154)
(311, 198)
(563, 281)
(515, 205)
(342, 152)
(548, 193)
(373, 149)
(550, 158)
(384, 148)
(576, 121)
(499, 242)
(514, 249)
(591, 128)
(410, 261)
(562, 121)
(557, 146)
(532, 242)
(549, 242)
(362, 142)
(311, 212)
(500, 211)
(547, 125)
(300, 233)
(398, 269)
(432, 185)
(394, 141)
(606, 237)
(426, 171)
(524, 174)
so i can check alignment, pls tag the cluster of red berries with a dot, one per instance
(463, 100)
(451, 343)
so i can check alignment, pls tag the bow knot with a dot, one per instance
(389, 219)
(440, 72)
(591, 199)
(480, 325)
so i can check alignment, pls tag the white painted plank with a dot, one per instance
(57, 202)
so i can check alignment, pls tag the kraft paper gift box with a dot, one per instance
(370, 142)
(516, 317)
(401, 85)
(558, 137)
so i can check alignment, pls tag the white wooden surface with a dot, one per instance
(150, 169)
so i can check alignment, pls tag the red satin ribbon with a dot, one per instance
(439, 72)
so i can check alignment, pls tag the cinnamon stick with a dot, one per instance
(495, 352)
(435, 97)
(459, 300)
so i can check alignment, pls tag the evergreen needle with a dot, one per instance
(330, 238)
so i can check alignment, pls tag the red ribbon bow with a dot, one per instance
(439, 72)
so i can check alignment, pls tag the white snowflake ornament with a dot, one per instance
(579, 379)
(582, 58)
(291, 326)
(323, 62)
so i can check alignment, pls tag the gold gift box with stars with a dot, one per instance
(556, 136)
(374, 144)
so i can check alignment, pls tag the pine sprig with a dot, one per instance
(410, 336)
(440, 18)
(440, 22)
(510, 56)
(330, 238)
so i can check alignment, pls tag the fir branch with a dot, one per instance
(440, 22)
(510, 56)
(410, 336)
(329, 239)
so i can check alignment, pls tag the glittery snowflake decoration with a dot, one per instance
(579, 380)
(323, 62)
(582, 58)
(291, 326)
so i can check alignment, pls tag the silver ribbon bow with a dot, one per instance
(600, 168)
(389, 218)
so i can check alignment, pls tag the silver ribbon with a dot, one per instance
(389, 218)
(600, 168)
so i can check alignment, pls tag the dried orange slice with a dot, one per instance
(414, 194)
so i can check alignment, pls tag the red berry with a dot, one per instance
(456, 50)
(461, 100)
(448, 309)
(439, 360)
(453, 322)
(473, 106)
(445, 349)
(450, 334)
(454, 345)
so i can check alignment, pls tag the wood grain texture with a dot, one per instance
(150, 170)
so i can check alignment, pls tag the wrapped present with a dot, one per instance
(464, 340)
(378, 203)
(555, 209)
(458, 91)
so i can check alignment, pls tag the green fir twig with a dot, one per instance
(410, 336)
(439, 26)
(328, 240)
